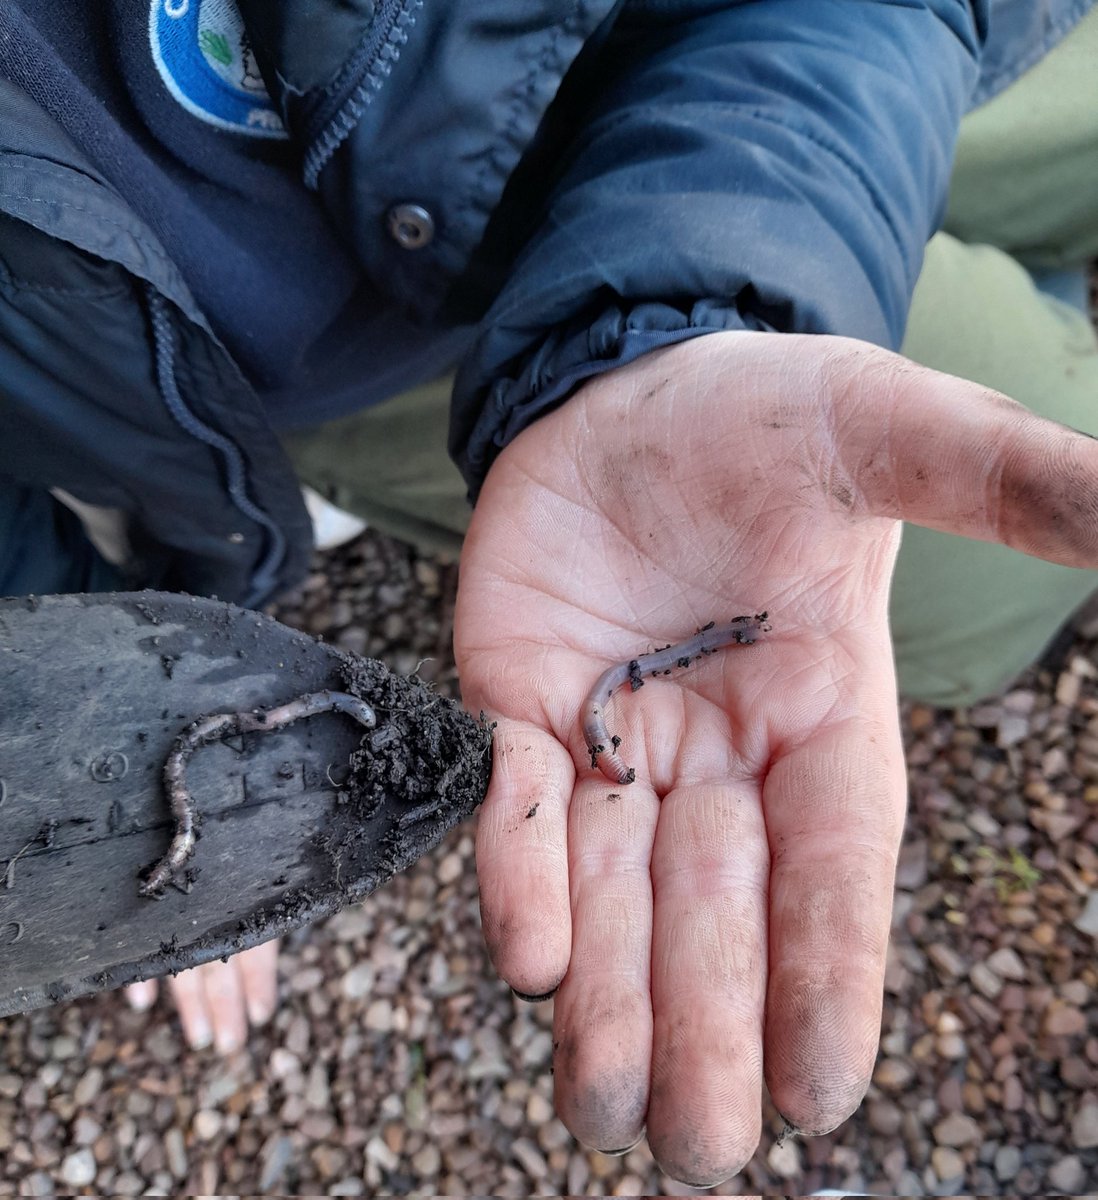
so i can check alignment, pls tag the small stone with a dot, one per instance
(912, 868)
(328, 1160)
(85, 1130)
(952, 1046)
(358, 981)
(378, 1152)
(784, 1159)
(530, 1158)
(1012, 729)
(283, 1064)
(175, 1151)
(957, 1129)
(427, 1160)
(450, 869)
(1007, 964)
(207, 1124)
(1067, 689)
(78, 1169)
(1013, 1094)
(538, 1110)
(947, 1163)
(276, 1156)
(946, 959)
(1063, 1020)
(317, 1090)
(983, 823)
(347, 1187)
(379, 1016)
(985, 981)
(1084, 1126)
(884, 1117)
(63, 1048)
(1068, 1175)
(1087, 920)
(1008, 1162)
(893, 1074)
(88, 1087)
(37, 1184)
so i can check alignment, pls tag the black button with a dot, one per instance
(411, 226)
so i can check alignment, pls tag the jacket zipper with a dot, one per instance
(333, 114)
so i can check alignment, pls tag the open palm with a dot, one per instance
(723, 919)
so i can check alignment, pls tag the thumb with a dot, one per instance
(952, 455)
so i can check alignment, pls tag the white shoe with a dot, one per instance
(332, 526)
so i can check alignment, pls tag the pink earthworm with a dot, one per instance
(604, 748)
(212, 728)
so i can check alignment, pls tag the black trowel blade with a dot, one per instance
(93, 691)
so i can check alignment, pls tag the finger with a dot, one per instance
(223, 986)
(258, 969)
(834, 810)
(522, 861)
(603, 1013)
(190, 1002)
(142, 995)
(709, 871)
(954, 456)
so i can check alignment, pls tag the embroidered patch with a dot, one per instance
(202, 52)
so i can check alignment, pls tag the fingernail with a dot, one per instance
(199, 1035)
(623, 1150)
(260, 1012)
(141, 996)
(228, 1041)
(533, 999)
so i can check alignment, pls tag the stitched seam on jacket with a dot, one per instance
(148, 247)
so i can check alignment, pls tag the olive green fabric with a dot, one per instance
(966, 616)
(969, 616)
(389, 466)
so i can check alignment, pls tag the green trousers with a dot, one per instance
(966, 616)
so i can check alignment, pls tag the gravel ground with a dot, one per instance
(399, 1063)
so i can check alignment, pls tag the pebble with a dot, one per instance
(948, 1165)
(946, 959)
(1007, 964)
(1087, 920)
(1084, 1125)
(88, 1086)
(784, 1159)
(958, 1129)
(277, 1154)
(427, 1160)
(207, 1124)
(1008, 1162)
(1068, 1175)
(379, 1016)
(1063, 1020)
(893, 1074)
(78, 1168)
(985, 980)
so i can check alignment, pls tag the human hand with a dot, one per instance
(724, 919)
(219, 1000)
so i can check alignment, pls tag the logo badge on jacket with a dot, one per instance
(202, 52)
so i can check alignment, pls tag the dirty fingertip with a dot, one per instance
(534, 999)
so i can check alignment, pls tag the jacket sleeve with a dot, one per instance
(773, 165)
